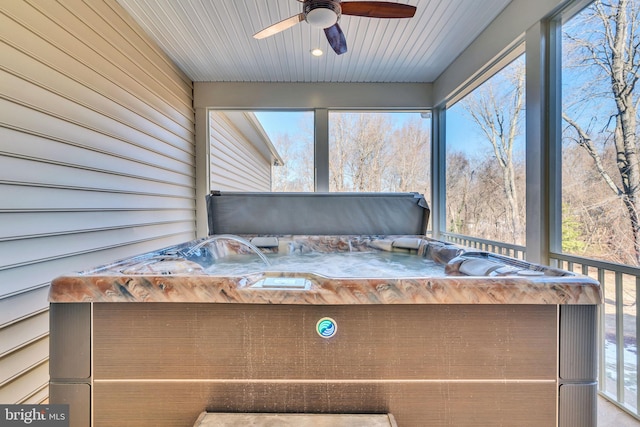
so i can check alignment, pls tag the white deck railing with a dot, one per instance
(619, 358)
(514, 251)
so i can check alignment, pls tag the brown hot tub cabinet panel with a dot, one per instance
(414, 404)
(442, 363)
(384, 342)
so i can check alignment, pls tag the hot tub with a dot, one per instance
(429, 332)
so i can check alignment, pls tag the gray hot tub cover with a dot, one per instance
(317, 213)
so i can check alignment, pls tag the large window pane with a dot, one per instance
(379, 151)
(485, 170)
(601, 173)
(601, 170)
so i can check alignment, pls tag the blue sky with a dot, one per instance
(281, 122)
(461, 135)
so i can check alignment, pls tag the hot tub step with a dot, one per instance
(211, 419)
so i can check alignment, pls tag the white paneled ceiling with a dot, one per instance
(211, 40)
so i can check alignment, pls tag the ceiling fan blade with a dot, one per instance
(377, 9)
(336, 39)
(280, 26)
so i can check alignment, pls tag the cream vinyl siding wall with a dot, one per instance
(236, 164)
(97, 162)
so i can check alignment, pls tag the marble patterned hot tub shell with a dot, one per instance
(168, 276)
(475, 339)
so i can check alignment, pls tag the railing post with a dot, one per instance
(602, 372)
(637, 295)
(619, 339)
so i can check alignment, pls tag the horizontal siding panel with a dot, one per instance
(72, 16)
(134, 45)
(77, 49)
(23, 359)
(55, 105)
(235, 164)
(225, 183)
(23, 305)
(228, 180)
(238, 153)
(149, 121)
(16, 334)
(251, 176)
(43, 125)
(226, 153)
(35, 122)
(242, 182)
(39, 396)
(223, 130)
(13, 282)
(25, 251)
(21, 197)
(35, 224)
(23, 388)
(222, 175)
(17, 279)
(32, 172)
(124, 23)
(223, 154)
(36, 147)
(223, 164)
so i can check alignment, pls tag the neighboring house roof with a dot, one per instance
(249, 125)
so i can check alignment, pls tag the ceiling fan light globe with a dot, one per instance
(321, 17)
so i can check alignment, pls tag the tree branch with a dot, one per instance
(585, 141)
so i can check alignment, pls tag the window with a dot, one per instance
(291, 133)
(274, 151)
(379, 151)
(601, 171)
(485, 159)
(261, 151)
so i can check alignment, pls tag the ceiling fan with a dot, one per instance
(326, 14)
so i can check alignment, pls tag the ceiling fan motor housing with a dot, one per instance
(322, 13)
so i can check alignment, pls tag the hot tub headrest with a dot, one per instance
(317, 213)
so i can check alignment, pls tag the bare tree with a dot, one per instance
(338, 153)
(460, 177)
(410, 154)
(609, 44)
(359, 154)
(297, 172)
(496, 107)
